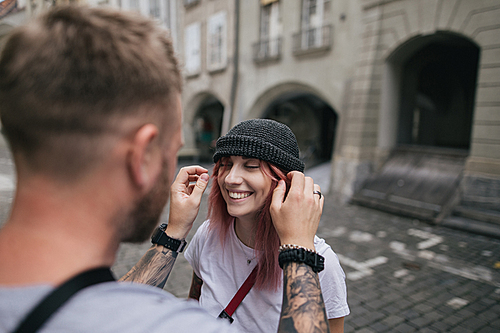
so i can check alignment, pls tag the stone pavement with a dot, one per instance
(403, 275)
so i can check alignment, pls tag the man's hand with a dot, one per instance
(185, 199)
(296, 219)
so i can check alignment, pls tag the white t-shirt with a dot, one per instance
(223, 271)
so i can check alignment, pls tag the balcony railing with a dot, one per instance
(267, 50)
(313, 39)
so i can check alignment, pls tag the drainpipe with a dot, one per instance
(228, 112)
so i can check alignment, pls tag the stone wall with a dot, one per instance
(387, 25)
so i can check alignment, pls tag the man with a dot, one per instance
(90, 106)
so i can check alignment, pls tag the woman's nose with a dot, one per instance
(234, 175)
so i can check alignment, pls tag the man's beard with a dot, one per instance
(147, 212)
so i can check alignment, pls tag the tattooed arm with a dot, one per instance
(296, 220)
(153, 268)
(303, 308)
(195, 290)
(185, 198)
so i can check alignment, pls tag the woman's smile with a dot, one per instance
(239, 195)
(244, 186)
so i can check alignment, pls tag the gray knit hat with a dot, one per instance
(265, 139)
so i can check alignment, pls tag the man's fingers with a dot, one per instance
(200, 186)
(188, 172)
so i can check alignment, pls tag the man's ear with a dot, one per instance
(144, 157)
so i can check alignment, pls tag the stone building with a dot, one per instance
(401, 96)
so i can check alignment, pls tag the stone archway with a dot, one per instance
(428, 93)
(425, 125)
(312, 120)
(437, 92)
(207, 123)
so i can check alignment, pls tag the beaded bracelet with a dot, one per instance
(293, 246)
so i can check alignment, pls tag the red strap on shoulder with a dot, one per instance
(241, 293)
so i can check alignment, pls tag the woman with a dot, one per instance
(239, 235)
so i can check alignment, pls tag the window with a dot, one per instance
(314, 34)
(170, 19)
(265, 17)
(192, 48)
(154, 9)
(216, 41)
(167, 21)
(269, 45)
(310, 9)
(312, 21)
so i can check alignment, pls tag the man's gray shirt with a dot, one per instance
(110, 307)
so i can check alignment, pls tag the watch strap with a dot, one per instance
(161, 238)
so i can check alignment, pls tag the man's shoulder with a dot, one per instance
(134, 298)
(140, 307)
(127, 307)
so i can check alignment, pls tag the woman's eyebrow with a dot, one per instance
(249, 158)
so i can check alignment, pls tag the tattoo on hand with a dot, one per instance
(303, 307)
(153, 268)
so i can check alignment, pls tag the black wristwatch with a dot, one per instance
(161, 238)
(316, 261)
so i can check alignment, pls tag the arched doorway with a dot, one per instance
(311, 119)
(426, 113)
(437, 90)
(207, 124)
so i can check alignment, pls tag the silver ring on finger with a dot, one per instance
(318, 193)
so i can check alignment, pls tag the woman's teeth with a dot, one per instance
(237, 195)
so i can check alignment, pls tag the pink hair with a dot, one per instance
(266, 238)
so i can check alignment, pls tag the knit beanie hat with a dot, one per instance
(265, 139)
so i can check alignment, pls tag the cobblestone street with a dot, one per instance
(403, 275)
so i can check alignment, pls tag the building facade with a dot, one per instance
(401, 96)
(17, 12)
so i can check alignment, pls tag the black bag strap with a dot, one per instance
(49, 305)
